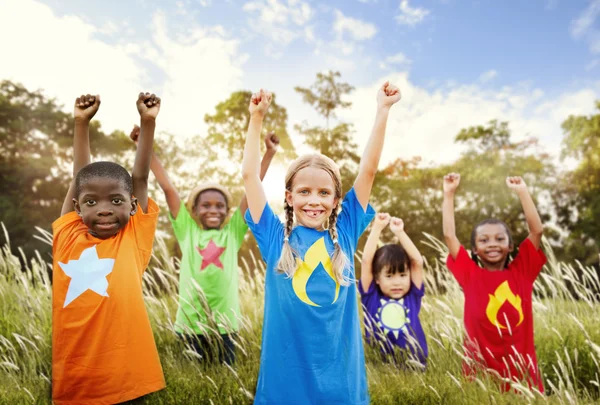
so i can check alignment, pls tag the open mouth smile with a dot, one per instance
(313, 213)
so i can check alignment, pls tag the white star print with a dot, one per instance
(87, 273)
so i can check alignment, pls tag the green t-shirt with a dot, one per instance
(209, 258)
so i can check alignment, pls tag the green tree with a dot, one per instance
(226, 136)
(36, 139)
(577, 197)
(227, 127)
(325, 95)
(414, 193)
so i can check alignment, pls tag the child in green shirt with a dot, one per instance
(209, 263)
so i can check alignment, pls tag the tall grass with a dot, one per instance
(567, 336)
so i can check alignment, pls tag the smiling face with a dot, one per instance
(211, 209)
(312, 196)
(104, 205)
(492, 245)
(394, 285)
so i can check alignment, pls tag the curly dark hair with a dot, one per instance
(103, 169)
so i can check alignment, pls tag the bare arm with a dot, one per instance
(255, 192)
(451, 182)
(386, 97)
(148, 106)
(171, 194)
(534, 222)
(85, 109)
(366, 272)
(272, 143)
(416, 260)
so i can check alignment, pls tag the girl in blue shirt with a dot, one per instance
(312, 349)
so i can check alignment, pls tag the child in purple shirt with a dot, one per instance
(391, 288)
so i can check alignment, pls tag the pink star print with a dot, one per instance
(210, 254)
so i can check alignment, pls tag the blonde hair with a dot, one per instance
(287, 261)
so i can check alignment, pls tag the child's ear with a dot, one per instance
(134, 206)
(76, 206)
(511, 247)
(288, 197)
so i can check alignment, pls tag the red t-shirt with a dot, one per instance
(103, 350)
(498, 313)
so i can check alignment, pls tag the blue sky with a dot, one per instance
(458, 63)
(454, 40)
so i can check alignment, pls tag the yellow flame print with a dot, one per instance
(502, 294)
(315, 254)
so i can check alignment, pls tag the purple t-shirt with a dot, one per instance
(394, 322)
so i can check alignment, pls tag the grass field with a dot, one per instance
(567, 336)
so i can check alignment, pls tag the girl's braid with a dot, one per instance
(339, 260)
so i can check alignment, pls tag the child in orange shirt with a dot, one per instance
(103, 350)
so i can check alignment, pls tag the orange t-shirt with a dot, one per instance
(103, 350)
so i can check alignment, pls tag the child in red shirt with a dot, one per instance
(498, 312)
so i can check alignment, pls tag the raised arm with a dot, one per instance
(272, 144)
(366, 269)
(534, 223)
(148, 106)
(387, 96)
(84, 110)
(416, 260)
(451, 182)
(255, 193)
(171, 194)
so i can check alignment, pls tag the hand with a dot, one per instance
(396, 225)
(388, 95)
(516, 183)
(382, 219)
(272, 142)
(451, 182)
(148, 105)
(135, 134)
(260, 102)
(86, 107)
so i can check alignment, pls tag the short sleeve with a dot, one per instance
(64, 232)
(353, 220)
(529, 261)
(366, 297)
(268, 232)
(414, 297)
(419, 292)
(143, 226)
(237, 227)
(183, 222)
(461, 267)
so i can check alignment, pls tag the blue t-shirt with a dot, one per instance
(312, 351)
(395, 321)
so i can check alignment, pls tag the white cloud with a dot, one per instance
(280, 22)
(583, 26)
(411, 16)
(358, 30)
(398, 59)
(487, 76)
(67, 60)
(425, 122)
(200, 68)
(591, 65)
